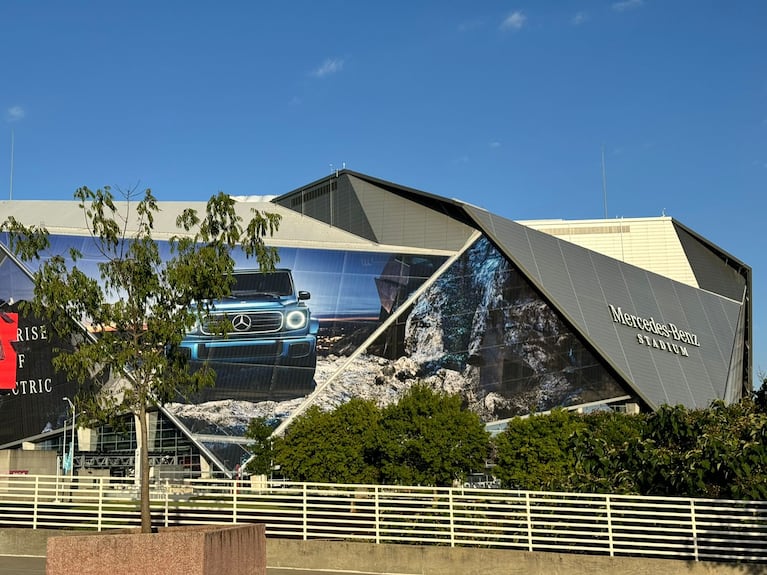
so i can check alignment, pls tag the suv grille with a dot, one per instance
(246, 323)
(233, 353)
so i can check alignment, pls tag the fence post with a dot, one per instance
(452, 517)
(36, 499)
(100, 511)
(166, 511)
(377, 512)
(235, 489)
(694, 529)
(529, 522)
(609, 525)
(306, 515)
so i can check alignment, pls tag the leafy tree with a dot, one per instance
(717, 452)
(534, 452)
(733, 452)
(428, 438)
(667, 451)
(141, 305)
(262, 449)
(606, 452)
(759, 397)
(336, 446)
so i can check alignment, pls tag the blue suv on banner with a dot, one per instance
(261, 341)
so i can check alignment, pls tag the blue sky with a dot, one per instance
(506, 105)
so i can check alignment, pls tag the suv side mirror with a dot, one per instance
(302, 295)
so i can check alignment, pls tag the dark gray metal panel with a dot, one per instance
(662, 367)
(395, 219)
(623, 292)
(727, 341)
(553, 273)
(668, 369)
(572, 297)
(320, 209)
(722, 273)
(331, 200)
(734, 382)
(711, 270)
(347, 211)
(717, 318)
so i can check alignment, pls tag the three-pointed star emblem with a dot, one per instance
(241, 322)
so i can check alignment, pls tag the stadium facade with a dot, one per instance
(390, 286)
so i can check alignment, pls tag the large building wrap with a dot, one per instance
(381, 286)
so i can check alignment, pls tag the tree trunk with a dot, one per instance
(143, 434)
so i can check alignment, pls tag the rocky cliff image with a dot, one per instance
(482, 330)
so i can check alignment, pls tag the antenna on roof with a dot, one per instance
(10, 188)
(604, 181)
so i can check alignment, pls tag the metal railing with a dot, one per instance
(614, 525)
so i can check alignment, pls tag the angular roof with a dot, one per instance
(381, 212)
(694, 287)
(296, 230)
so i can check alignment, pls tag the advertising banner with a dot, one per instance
(34, 404)
(31, 398)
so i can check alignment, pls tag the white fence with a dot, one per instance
(615, 525)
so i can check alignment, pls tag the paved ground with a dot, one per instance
(22, 565)
(36, 566)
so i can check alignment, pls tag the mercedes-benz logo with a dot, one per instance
(241, 322)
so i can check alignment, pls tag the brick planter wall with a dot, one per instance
(204, 550)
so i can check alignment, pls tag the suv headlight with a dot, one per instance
(295, 319)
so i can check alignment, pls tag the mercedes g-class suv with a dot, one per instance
(267, 348)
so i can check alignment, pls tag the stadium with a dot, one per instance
(382, 286)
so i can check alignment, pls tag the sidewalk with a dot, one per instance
(22, 565)
(11, 565)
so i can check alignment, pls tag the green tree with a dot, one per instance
(262, 447)
(668, 452)
(606, 452)
(759, 396)
(716, 452)
(335, 446)
(141, 305)
(733, 452)
(534, 452)
(429, 438)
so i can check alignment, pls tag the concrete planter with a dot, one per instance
(204, 550)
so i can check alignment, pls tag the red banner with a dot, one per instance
(9, 323)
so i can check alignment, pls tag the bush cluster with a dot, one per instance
(429, 438)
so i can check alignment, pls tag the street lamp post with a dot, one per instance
(64, 448)
(72, 433)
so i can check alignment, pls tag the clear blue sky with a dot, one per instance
(506, 105)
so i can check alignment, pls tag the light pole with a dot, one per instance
(72, 443)
(64, 448)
